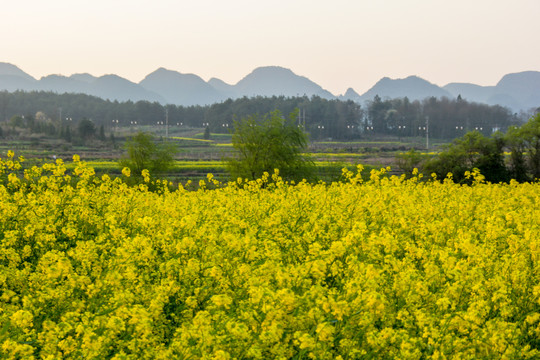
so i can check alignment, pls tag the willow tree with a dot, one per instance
(268, 142)
(144, 152)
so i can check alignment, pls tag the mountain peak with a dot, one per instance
(222, 87)
(217, 81)
(272, 70)
(413, 87)
(180, 89)
(12, 70)
(163, 71)
(278, 81)
(167, 75)
(350, 92)
(524, 81)
(84, 77)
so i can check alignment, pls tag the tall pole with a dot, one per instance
(167, 123)
(427, 132)
(302, 118)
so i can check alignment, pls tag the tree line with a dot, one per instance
(322, 118)
(500, 157)
(443, 118)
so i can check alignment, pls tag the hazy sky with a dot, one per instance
(338, 44)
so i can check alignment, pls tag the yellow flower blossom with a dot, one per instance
(91, 267)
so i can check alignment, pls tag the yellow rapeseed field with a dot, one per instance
(91, 268)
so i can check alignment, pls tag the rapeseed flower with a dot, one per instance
(386, 268)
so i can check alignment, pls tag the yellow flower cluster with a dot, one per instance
(390, 268)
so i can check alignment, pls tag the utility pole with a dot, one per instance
(166, 123)
(427, 132)
(302, 118)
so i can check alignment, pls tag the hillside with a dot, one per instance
(517, 91)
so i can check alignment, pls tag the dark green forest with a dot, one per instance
(323, 119)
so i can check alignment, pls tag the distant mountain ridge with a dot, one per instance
(276, 80)
(413, 87)
(518, 91)
(180, 89)
(7, 69)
